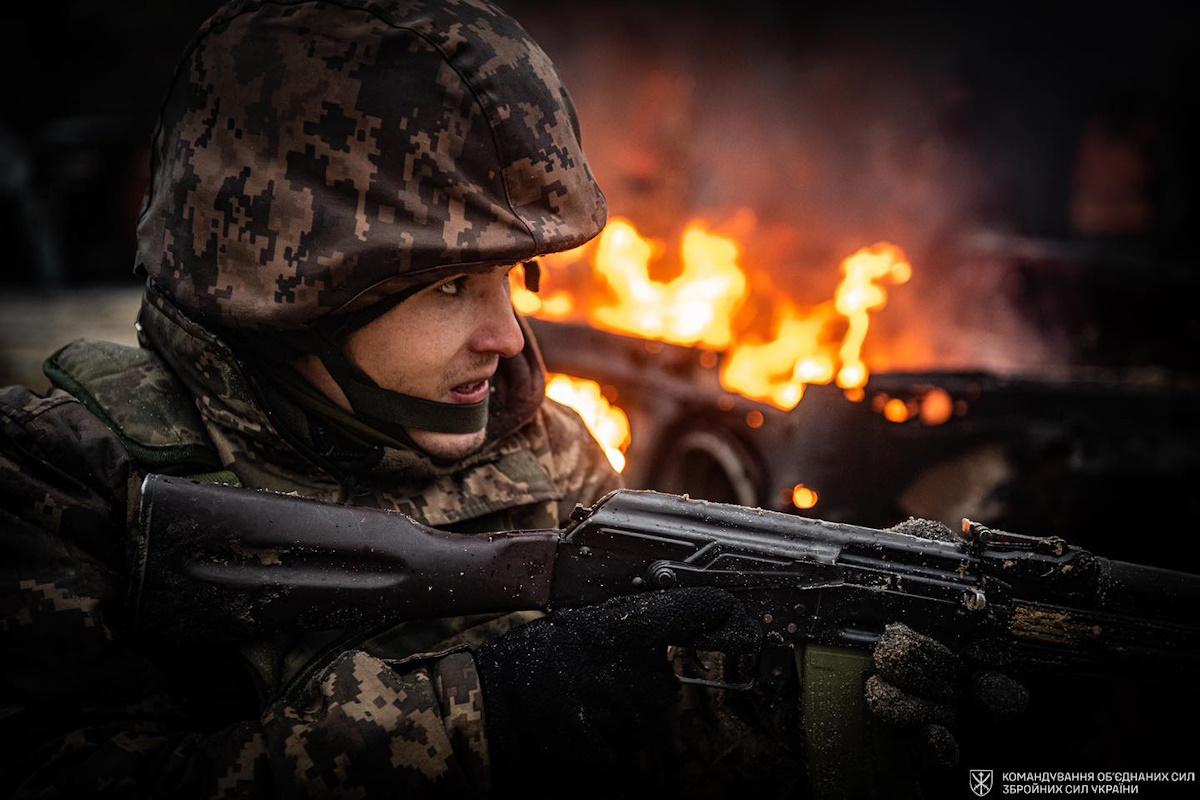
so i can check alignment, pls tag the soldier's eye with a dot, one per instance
(453, 287)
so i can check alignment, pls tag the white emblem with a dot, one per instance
(981, 782)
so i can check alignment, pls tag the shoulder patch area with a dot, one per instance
(568, 438)
(574, 457)
(133, 393)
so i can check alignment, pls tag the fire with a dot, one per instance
(821, 344)
(607, 423)
(777, 370)
(859, 294)
(556, 305)
(695, 308)
(802, 352)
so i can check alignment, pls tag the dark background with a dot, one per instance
(1019, 95)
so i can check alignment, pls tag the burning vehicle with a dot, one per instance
(687, 398)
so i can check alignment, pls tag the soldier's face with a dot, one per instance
(443, 343)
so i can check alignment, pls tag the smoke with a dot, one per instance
(806, 146)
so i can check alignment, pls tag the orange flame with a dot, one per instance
(696, 307)
(556, 305)
(800, 352)
(777, 371)
(822, 344)
(607, 423)
(859, 294)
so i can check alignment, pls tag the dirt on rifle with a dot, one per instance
(1052, 627)
(926, 529)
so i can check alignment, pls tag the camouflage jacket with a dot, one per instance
(86, 711)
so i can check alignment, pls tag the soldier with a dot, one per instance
(338, 192)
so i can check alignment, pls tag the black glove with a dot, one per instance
(923, 685)
(586, 695)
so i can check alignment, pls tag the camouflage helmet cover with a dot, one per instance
(312, 157)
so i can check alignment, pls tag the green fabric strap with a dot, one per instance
(223, 476)
(848, 753)
(288, 383)
(387, 408)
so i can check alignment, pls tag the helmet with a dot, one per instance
(313, 158)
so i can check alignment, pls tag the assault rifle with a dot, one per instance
(220, 564)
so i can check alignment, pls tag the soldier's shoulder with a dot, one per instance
(52, 433)
(573, 456)
(563, 424)
(110, 408)
(133, 393)
(567, 438)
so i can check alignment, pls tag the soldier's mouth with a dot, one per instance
(472, 392)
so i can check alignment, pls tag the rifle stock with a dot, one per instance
(215, 564)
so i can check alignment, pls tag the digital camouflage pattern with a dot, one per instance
(67, 474)
(366, 729)
(311, 157)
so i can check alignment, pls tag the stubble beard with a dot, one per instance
(448, 446)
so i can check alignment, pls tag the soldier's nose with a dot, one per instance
(498, 331)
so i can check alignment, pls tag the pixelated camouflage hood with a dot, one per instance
(313, 157)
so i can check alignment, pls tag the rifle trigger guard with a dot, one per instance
(773, 668)
(735, 687)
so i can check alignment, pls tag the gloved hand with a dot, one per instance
(924, 686)
(587, 694)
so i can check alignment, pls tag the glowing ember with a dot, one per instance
(936, 407)
(804, 497)
(895, 410)
(607, 423)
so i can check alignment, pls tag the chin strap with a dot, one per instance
(387, 411)
(393, 412)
